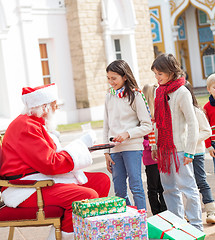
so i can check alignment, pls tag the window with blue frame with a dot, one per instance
(202, 17)
(206, 41)
(209, 61)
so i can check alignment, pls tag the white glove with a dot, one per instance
(89, 138)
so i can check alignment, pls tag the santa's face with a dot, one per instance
(49, 108)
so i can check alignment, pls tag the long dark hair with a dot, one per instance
(190, 88)
(167, 63)
(122, 68)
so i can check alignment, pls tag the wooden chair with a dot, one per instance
(32, 216)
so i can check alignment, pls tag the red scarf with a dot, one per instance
(167, 151)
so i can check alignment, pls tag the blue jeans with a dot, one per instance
(174, 184)
(128, 165)
(200, 176)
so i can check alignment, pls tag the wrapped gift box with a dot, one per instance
(99, 206)
(119, 226)
(167, 225)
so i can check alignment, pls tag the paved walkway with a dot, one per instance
(41, 233)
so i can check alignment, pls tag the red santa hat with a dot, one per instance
(34, 97)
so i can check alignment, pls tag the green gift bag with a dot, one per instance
(99, 206)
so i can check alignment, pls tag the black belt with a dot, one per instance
(18, 176)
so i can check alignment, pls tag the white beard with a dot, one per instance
(51, 123)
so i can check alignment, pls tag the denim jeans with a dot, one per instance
(128, 165)
(200, 176)
(174, 184)
(213, 145)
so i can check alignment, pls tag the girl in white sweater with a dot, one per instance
(199, 159)
(126, 120)
(177, 131)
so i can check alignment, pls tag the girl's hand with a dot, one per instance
(154, 155)
(109, 162)
(187, 160)
(212, 152)
(121, 137)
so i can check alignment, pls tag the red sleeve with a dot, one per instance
(37, 150)
(208, 140)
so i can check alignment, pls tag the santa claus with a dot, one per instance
(31, 151)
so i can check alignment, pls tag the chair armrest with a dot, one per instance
(31, 184)
(26, 183)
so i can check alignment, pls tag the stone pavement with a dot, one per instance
(41, 233)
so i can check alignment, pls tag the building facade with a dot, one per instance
(70, 43)
(186, 28)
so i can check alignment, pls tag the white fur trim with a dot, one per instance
(79, 153)
(51, 235)
(41, 96)
(67, 236)
(12, 197)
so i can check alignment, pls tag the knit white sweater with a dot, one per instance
(184, 122)
(120, 117)
(204, 130)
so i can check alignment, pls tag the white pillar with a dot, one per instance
(175, 38)
(193, 47)
(30, 46)
(134, 57)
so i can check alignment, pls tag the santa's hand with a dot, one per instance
(89, 138)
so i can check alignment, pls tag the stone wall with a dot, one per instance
(87, 51)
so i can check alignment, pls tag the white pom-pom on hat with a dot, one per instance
(34, 97)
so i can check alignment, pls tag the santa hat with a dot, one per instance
(34, 97)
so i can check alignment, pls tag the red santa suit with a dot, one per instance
(29, 152)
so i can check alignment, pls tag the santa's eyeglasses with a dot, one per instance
(55, 106)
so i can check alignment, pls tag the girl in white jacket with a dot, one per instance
(177, 137)
(198, 162)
